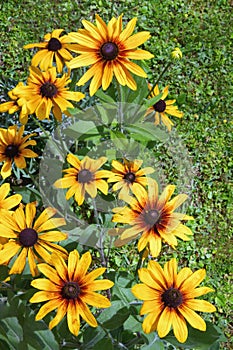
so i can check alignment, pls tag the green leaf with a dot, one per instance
(153, 342)
(80, 128)
(104, 344)
(104, 97)
(92, 336)
(114, 316)
(14, 331)
(147, 132)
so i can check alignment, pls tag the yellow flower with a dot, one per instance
(163, 107)
(69, 288)
(54, 48)
(154, 217)
(129, 176)
(169, 299)
(108, 50)
(16, 104)
(13, 148)
(30, 238)
(45, 91)
(7, 203)
(83, 177)
(176, 53)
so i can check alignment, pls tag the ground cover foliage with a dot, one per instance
(203, 83)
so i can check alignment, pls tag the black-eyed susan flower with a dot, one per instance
(129, 177)
(69, 288)
(169, 299)
(163, 108)
(45, 91)
(109, 49)
(13, 149)
(16, 104)
(154, 217)
(54, 49)
(8, 202)
(83, 177)
(30, 237)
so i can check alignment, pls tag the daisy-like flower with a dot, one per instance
(30, 237)
(162, 108)
(8, 202)
(54, 48)
(108, 50)
(45, 91)
(16, 104)
(84, 176)
(129, 177)
(154, 217)
(13, 148)
(69, 289)
(169, 299)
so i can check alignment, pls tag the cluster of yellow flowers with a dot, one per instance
(25, 235)
(107, 48)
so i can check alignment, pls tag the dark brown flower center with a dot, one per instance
(160, 106)
(48, 90)
(28, 237)
(54, 44)
(130, 177)
(151, 217)
(85, 176)
(172, 297)
(11, 151)
(71, 290)
(109, 51)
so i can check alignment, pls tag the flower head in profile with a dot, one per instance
(109, 49)
(45, 91)
(16, 104)
(54, 49)
(129, 176)
(154, 218)
(13, 149)
(69, 288)
(30, 237)
(83, 177)
(169, 299)
(176, 53)
(163, 108)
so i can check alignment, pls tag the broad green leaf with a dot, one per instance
(114, 316)
(104, 344)
(147, 132)
(104, 96)
(14, 331)
(92, 336)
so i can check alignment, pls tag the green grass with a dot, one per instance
(203, 83)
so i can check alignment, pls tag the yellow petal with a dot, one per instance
(61, 311)
(46, 308)
(96, 300)
(86, 314)
(73, 319)
(19, 263)
(193, 318)
(179, 327)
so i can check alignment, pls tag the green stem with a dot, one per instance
(120, 113)
(41, 127)
(160, 76)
